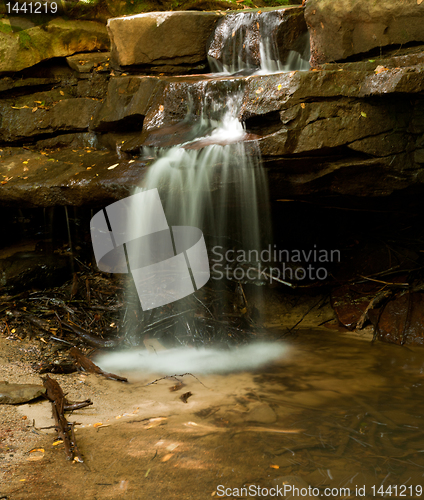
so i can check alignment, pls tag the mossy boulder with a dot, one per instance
(58, 38)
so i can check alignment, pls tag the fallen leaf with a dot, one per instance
(279, 86)
(59, 441)
(97, 424)
(419, 2)
(274, 466)
(303, 105)
(167, 457)
(61, 92)
(363, 114)
(260, 89)
(379, 69)
(113, 166)
(37, 449)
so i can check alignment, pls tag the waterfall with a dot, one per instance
(246, 43)
(215, 180)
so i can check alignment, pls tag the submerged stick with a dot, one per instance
(64, 429)
(176, 378)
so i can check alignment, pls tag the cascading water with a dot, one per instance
(249, 43)
(215, 180)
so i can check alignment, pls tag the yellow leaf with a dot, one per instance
(303, 105)
(59, 441)
(97, 424)
(419, 2)
(113, 166)
(37, 449)
(167, 457)
(279, 86)
(34, 109)
(25, 162)
(274, 466)
(61, 92)
(363, 114)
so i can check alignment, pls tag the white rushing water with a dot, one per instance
(213, 182)
(234, 48)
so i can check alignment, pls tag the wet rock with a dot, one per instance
(78, 140)
(94, 87)
(261, 413)
(236, 39)
(58, 38)
(161, 38)
(345, 28)
(402, 319)
(66, 177)
(31, 116)
(13, 394)
(85, 63)
(127, 103)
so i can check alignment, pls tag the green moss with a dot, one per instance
(24, 40)
(5, 28)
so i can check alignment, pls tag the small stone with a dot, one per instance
(12, 394)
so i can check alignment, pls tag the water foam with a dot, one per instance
(196, 361)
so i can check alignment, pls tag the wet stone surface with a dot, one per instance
(13, 394)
